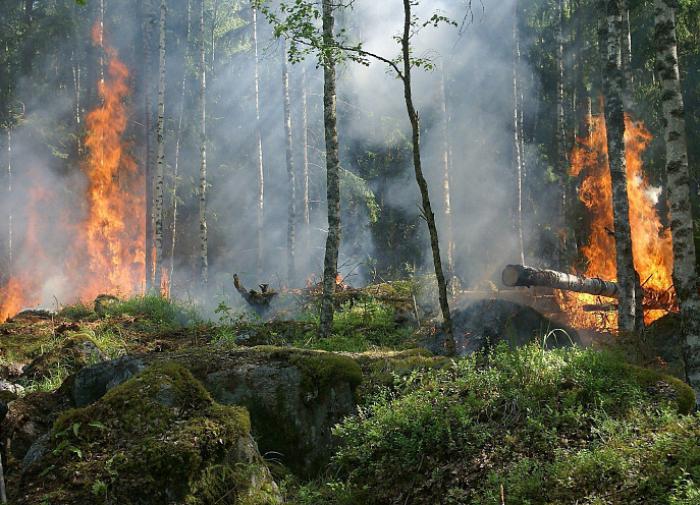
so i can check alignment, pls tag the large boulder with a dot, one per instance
(158, 438)
(295, 397)
(485, 323)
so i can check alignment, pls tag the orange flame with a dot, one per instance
(651, 242)
(106, 254)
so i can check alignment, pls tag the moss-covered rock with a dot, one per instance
(70, 352)
(295, 397)
(159, 438)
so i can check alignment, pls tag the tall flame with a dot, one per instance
(106, 252)
(651, 242)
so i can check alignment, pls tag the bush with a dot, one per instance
(154, 310)
(551, 427)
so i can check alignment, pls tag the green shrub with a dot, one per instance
(154, 310)
(551, 427)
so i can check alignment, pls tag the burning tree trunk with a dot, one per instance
(678, 178)
(10, 223)
(562, 150)
(627, 55)
(615, 119)
(203, 246)
(420, 179)
(519, 275)
(178, 141)
(260, 221)
(330, 265)
(160, 167)
(291, 176)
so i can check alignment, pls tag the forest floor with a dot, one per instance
(142, 401)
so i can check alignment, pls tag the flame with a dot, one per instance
(106, 246)
(114, 231)
(651, 242)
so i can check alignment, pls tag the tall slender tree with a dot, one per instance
(613, 80)
(305, 151)
(446, 174)
(260, 204)
(203, 235)
(330, 120)
(685, 277)
(178, 142)
(291, 174)
(147, 27)
(160, 163)
(517, 144)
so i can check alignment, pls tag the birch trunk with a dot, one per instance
(260, 214)
(148, 170)
(516, 140)
(678, 182)
(10, 217)
(613, 83)
(420, 179)
(203, 245)
(305, 147)
(330, 263)
(562, 158)
(178, 141)
(446, 161)
(291, 175)
(626, 49)
(160, 139)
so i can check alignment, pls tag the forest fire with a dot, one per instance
(105, 245)
(652, 246)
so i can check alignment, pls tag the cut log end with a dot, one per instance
(511, 275)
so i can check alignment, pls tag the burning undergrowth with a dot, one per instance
(102, 245)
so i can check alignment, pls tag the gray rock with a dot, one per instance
(92, 382)
(485, 323)
(35, 452)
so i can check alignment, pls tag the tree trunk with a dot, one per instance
(446, 161)
(420, 179)
(330, 264)
(148, 169)
(28, 46)
(678, 189)
(516, 139)
(626, 48)
(10, 217)
(615, 121)
(260, 214)
(305, 147)
(291, 175)
(520, 275)
(562, 154)
(178, 141)
(160, 167)
(203, 245)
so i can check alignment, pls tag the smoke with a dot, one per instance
(476, 62)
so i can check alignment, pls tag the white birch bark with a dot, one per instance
(615, 122)
(291, 175)
(446, 162)
(260, 208)
(160, 162)
(203, 244)
(517, 144)
(678, 186)
(330, 263)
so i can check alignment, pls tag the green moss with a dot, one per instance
(156, 438)
(321, 370)
(682, 396)
(77, 312)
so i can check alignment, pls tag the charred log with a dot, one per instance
(259, 300)
(519, 275)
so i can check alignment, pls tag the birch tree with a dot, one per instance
(291, 176)
(203, 245)
(148, 168)
(678, 185)
(260, 208)
(305, 152)
(517, 144)
(160, 162)
(613, 83)
(446, 175)
(178, 143)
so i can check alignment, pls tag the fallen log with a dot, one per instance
(520, 275)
